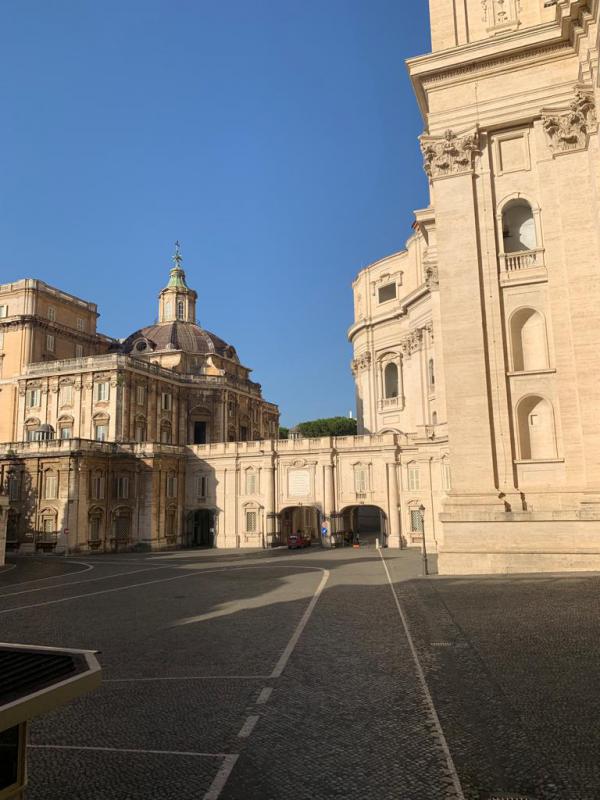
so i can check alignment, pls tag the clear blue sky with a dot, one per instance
(276, 139)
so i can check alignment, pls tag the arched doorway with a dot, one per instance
(369, 522)
(301, 518)
(201, 528)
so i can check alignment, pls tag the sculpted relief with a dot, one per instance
(450, 154)
(570, 129)
(501, 15)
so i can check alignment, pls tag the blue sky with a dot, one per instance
(275, 139)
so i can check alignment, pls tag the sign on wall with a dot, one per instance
(298, 483)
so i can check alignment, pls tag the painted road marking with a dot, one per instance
(264, 696)
(248, 726)
(126, 750)
(221, 777)
(78, 583)
(429, 699)
(285, 656)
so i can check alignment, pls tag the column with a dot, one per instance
(449, 162)
(394, 532)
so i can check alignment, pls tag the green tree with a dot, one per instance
(284, 433)
(332, 426)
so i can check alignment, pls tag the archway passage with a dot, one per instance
(368, 523)
(202, 528)
(301, 518)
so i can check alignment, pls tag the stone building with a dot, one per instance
(487, 327)
(475, 352)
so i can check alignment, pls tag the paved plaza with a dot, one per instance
(313, 674)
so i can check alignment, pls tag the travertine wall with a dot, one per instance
(82, 495)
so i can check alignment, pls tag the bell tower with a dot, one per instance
(177, 302)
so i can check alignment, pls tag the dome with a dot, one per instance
(185, 336)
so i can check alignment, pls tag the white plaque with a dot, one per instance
(298, 483)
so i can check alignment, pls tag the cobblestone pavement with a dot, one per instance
(276, 675)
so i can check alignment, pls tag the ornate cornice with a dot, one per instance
(569, 130)
(449, 155)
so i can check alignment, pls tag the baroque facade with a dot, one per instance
(486, 329)
(161, 440)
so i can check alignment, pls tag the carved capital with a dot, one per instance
(450, 154)
(361, 363)
(569, 129)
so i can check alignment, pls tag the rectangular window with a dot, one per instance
(66, 395)
(13, 487)
(140, 432)
(78, 351)
(66, 433)
(140, 395)
(34, 398)
(123, 487)
(101, 433)
(50, 343)
(171, 486)
(81, 325)
(414, 479)
(51, 492)
(48, 525)
(387, 292)
(51, 313)
(201, 486)
(166, 401)
(251, 521)
(94, 529)
(3, 311)
(360, 480)
(102, 391)
(416, 522)
(98, 487)
(250, 482)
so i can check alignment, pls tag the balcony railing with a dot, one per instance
(524, 259)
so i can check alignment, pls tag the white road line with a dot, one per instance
(107, 591)
(264, 696)
(52, 577)
(8, 568)
(221, 777)
(248, 726)
(195, 574)
(189, 678)
(125, 750)
(285, 656)
(78, 583)
(421, 676)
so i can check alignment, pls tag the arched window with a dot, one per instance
(518, 227)
(537, 436)
(180, 310)
(391, 380)
(431, 372)
(528, 340)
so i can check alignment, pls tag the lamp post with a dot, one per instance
(424, 549)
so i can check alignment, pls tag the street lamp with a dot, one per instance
(424, 550)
